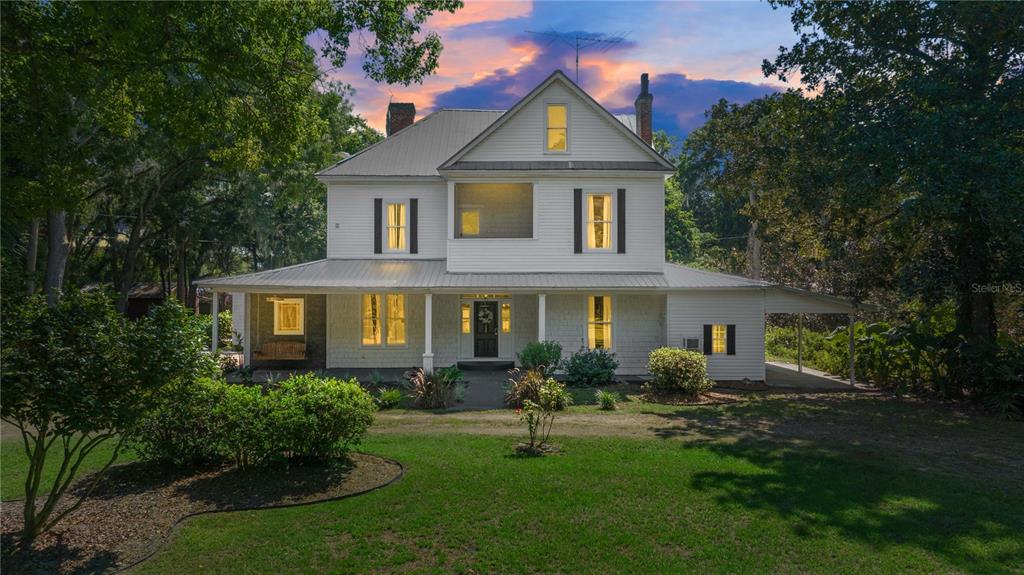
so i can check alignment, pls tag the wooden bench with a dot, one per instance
(289, 350)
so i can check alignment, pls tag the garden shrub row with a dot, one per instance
(586, 367)
(306, 418)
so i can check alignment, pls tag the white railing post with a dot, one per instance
(541, 319)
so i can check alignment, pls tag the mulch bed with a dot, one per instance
(134, 510)
(708, 398)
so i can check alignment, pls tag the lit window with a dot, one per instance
(506, 318)
(467, 314)
(717, 338)
(288, 316)
(557, 140)
(396, 227)
(599, 322)
(396, 319)
(371, 319)
(599, 221)
(470, 222)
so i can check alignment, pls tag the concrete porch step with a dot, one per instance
(484, 365)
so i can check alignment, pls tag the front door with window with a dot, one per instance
(485, 329)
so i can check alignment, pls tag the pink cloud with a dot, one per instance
(477, 11)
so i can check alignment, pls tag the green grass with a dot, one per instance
(14, 468)
(621, 505)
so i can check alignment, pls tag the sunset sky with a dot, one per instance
(695, 52)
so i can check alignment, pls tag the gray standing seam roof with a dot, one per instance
(558, 165)
(419, 149)
(360, 274)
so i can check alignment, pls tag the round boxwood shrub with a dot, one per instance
(544, 356)
(675, 369)
(318, 418)
(591, 367)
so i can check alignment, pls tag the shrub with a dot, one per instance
(680, 370)
(545, 356)
(591, 367)
(180, 428)
(606, 400)
(388, 398)
(539, 416)
(436, 390)
(522, 386)
(246, 419)
(317, 418)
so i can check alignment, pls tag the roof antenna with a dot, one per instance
(582, 41)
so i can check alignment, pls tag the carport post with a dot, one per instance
(800, 343)
(852, 374)
(214, 309)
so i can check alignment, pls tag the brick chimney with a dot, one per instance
(643, 105)
(401, 115)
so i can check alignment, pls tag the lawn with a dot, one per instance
(14, 470)
(780, 484)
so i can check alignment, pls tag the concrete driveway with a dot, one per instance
(779, 375)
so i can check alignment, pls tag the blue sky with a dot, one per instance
(695, 52)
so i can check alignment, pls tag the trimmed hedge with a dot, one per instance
(678, 369)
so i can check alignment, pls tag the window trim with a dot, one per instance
(586, 321)
(585, 218)
(385, 248)
(384, 321)
(568, 133)
(301, 301)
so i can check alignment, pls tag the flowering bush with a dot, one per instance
(539, 416)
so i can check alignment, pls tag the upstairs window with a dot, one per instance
(599, 221)
(557, 128)
(396, 227)
(469, 222)
(599, 322)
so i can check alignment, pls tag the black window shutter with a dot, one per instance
(413, 227)
(622, 220)
(730, 339)
(707, 339)
(378, 224)
(577, 220)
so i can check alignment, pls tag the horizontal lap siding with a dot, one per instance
(689, 311)
(638, 326)
(591, 134)
(524, 321)
(551, 250)
(350, 221)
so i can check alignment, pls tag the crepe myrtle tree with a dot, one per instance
(77, 375)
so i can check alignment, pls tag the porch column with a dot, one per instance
(214, 309)
(800, 343)
(247, 330)
(428, 324)
(852, 374)
(541, 320)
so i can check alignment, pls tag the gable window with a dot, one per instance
(557, 128)
(288, 316)
(383, 319)
(396, 227)
(599, 221)
(718, 332)
(599, 322)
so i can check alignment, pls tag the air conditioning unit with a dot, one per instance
(692, 343)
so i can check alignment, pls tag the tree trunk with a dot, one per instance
(57, 249)
(976, 321)
(182, 275)
(753, 242)
(32, 257)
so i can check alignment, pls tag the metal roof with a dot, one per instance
(558, 165)
(361, 274)
(628, 120)
(419, 149)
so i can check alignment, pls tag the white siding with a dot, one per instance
(592, 136)
(344, 348)
(638, 326)
(350, 219)
(689, 311)
(551, 248)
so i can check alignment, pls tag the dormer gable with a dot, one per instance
(559, 122)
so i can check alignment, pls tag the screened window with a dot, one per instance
(558, 130)
(599, 221)
(467, 315)
(718, 338)
(599, 322)
(506, 318)
(288, 316)
(470, 222)
(396, 319)
(396, 227)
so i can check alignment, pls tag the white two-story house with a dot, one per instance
(465, 235)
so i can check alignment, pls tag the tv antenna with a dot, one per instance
(582, 41)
